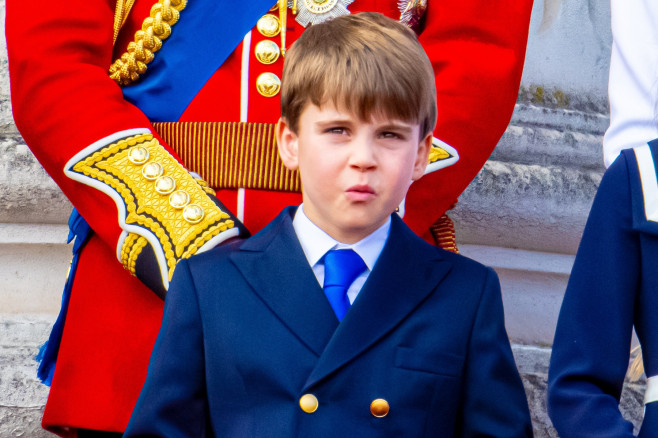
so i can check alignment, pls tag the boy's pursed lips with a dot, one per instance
(360, 192)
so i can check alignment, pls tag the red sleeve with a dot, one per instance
(64, 102)
(62, 97)
(477, 49)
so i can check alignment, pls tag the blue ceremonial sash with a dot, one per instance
(47, 356)
(206, 34)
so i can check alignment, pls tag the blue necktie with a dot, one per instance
(341, 268)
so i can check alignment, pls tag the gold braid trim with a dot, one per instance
(131, 249)
(140, 52)
(443, 231)
(206, 188)
(437, 153)
(180, 236)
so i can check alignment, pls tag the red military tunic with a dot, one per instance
(64, 101)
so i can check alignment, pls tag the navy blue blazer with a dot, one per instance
(248, 331)
(613, 287)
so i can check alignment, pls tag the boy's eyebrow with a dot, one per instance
(400, 126)
(396, 126)
(333, 121)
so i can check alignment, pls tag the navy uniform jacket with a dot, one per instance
(248, 331)
(613, 287)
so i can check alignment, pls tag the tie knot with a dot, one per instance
(341, 267)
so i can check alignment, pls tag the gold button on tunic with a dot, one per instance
(268, 84)
(268, 25)
(267, 52)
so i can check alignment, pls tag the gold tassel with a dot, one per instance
(121, 12)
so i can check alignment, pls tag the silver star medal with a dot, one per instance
(317, 11)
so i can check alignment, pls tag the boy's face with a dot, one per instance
(354, 174)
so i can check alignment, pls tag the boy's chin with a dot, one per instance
(355, 230)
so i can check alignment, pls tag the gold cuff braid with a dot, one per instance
(159, 195)
(131, 249)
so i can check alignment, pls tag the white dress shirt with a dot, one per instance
(315, 243)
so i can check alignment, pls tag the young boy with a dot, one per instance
(252, 346)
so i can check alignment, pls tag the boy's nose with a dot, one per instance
(363, 155)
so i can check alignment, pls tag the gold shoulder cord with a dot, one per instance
(148, 40)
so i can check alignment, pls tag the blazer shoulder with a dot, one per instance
(421, 249)
(222, 262)
(214, 263)
(463, 265)
(458, 258)
(469, 274)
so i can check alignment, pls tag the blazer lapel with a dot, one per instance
(274, 265)
(386, 298)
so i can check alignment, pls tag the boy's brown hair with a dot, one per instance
(364, 63)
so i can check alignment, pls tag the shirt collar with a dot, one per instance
(315, 242)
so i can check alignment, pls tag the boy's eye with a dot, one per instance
(336, 130)
(390, 134)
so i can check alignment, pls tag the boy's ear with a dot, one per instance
(422, 157)
(287, 143)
